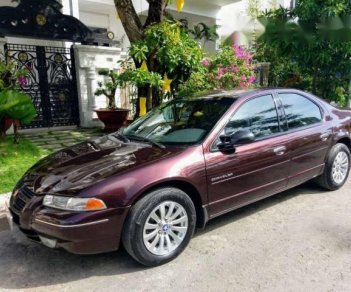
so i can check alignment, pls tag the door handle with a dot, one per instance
(279, 150)
(325, 136)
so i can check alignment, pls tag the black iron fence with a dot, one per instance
(51, 83)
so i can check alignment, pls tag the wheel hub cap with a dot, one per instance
(165, 228)
(340, 167)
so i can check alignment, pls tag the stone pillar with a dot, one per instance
(264, 75)
(89, 60)
(91, 87)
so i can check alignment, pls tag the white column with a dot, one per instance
(89, 60)
(70, 7)
(91, 86)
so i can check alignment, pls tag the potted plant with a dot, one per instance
(112, 116)
(15, 106)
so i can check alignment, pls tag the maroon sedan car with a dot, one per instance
(184, 163)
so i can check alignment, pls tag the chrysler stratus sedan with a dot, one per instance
(151, 184)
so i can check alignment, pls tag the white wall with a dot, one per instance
(234, 18)
(104, 15)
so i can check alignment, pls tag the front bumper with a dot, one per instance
(76, 232)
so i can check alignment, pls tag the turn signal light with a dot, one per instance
(94, 204)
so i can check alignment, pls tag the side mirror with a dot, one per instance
(240, 137)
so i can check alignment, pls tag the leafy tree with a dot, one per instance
(169, 51)
(313, 40)
(135, 31)
(164, 45)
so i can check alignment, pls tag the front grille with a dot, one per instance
(22, 198)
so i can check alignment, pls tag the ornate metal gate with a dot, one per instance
(51, 83)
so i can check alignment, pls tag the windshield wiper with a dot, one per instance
(121, 137)
(144, 139)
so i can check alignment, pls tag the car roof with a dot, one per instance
(235, 94)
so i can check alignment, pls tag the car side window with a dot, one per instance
(299, 110)
(258, 115)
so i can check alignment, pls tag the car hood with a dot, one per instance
(80, 166)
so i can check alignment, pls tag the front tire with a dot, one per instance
(337, 168)
(159, 226)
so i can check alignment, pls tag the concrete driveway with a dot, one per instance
(299, 240)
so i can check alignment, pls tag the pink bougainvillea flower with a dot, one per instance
(240, 53)
(221, 71)
(206, 62)
(22, 81)
(243, 78)
(248, 56)
(243, 84)
(235, 69)
(251, 79)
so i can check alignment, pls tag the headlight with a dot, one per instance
(73, 204)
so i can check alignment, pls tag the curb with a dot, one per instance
(3, 198)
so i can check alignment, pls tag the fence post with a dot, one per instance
(262, 74)
(3, 42)
(265, 73)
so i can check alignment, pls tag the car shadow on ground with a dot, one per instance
(25, 264)
(309, 188)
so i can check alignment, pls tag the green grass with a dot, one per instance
(15, 160)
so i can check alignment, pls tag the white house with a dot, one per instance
(230, 15)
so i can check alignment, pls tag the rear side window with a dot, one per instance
(299, 110)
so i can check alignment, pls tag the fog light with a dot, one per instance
(48, 242)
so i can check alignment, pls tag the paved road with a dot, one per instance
(299, 240)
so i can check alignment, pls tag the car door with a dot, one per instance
(255, 170)
(309, 136)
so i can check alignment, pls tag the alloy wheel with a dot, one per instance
(340, 167)
(165, 228)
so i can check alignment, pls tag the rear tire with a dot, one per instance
(337, 168)
(159, 226)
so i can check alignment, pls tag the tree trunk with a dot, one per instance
(157, 10)
(135, 32)
(16, 138)
(130, 20)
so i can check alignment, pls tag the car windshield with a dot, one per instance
(180, 121)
